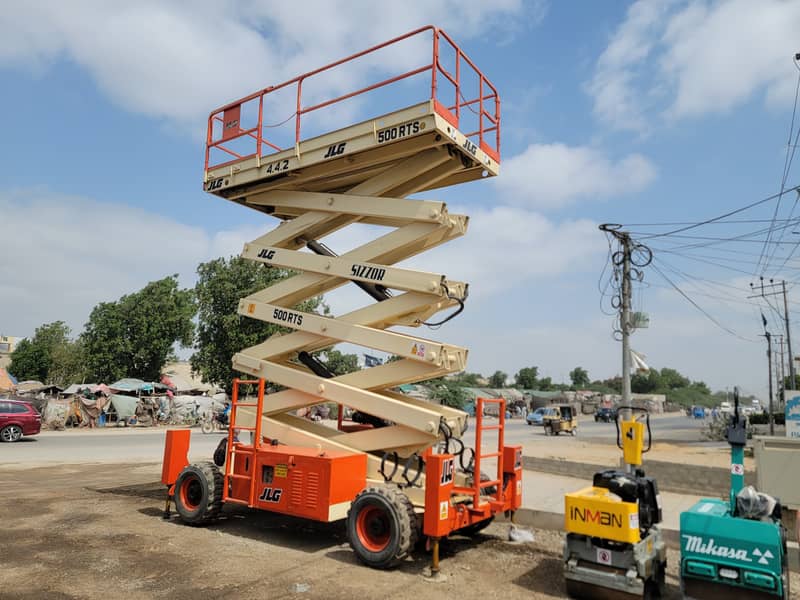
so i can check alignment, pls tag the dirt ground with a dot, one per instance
(91, 531)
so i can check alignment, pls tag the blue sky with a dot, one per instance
(637, 112)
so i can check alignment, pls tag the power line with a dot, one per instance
(787, 165)
(724, 216)
(698, 307)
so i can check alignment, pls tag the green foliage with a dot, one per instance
(689, 396)
(606, 386)
(762, 418)
(579, 377)
(49, 356)
(448, 393)
(525, 379)
(546, 384)
(134, 336)
(498, 380)
(221, 332)
(338, 363)
(787, 382)
(467, 379)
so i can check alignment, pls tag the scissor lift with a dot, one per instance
(361, 174)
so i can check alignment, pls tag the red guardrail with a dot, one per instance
(481, 99)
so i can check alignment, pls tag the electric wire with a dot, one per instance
(787, 165)
(698, 307)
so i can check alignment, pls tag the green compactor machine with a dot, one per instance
(734, 548)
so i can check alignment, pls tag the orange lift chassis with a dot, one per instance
(405, 473)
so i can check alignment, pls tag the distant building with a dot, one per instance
(7, 346)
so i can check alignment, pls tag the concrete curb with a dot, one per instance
(540, 519)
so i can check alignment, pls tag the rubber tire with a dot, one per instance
(206, 483)
(207, 426)
(475, 528)
(398, 513)
(11, 433)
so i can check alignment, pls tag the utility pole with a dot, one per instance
(788, 336)
(769, 370)
(780, 375)
(768, 335)
(772, 289)
(625, 319)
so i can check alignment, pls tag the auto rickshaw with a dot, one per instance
(558, 418)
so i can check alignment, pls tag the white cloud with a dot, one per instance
(679, 60)
(65, 254)
(551, 175)
(178, 60)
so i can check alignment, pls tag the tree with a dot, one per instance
(467, 379)
(671, 379)
(338, 363)
(448, 393)
(579, 377)
(133, 337)
(525, 379)
(49, 356)
(546, 384)
(498, 380)
(221, 332)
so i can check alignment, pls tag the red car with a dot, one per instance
(18, 418)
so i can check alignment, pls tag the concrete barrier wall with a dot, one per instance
(671, 477)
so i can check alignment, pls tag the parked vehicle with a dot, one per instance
(560, 418)
(605, 414)
(18, 418)
(698, 412)
(535, 417)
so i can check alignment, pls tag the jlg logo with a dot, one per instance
(267, 254)
(214, 185)
(448, 470)
(335, 150)
(271, 495)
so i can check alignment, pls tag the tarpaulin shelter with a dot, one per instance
(7, 381)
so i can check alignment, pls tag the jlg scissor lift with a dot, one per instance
(389, 482)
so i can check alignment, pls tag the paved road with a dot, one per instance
(665, 428)
(108, 445)
(147, 444)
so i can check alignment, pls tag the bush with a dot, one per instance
(763, 418)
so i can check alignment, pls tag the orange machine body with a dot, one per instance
(176, 455)
(299, 481)
(445, 509)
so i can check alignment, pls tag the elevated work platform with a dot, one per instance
(323, 183)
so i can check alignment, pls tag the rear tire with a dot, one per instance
(381, 527)
(198, 493)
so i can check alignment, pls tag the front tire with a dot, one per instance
(381, 527)
(198, 493)
(11, 433)
(207, 426)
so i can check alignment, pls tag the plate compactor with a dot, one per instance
(614, 547)
(734, 548)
